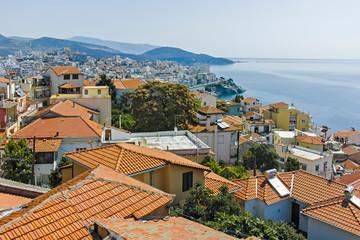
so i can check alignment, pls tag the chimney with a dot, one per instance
(207, 122)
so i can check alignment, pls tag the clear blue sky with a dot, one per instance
(230, 28)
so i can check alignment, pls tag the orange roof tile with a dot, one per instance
(233, 120)
(249, 100)
(262, 121)
(279, 105)
(307, 188)
(346, 133)
(214, 181)
(67, 108)
(210, 110)
(89, 83)
(338, 212)
(9, 201)
(5, 80)
(167, 228)
(350, 165)
(127, 83)
(202, 128)
(262, 108)
(311, 140)
(67, 210)
(61, 127)
(350, 150)
(249, 114)
(129, 159)
(349, 179)
(61, 70)
(69, 85)
(41, 145)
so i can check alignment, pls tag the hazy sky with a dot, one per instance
(229, 28)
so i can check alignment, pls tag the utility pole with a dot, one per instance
(120, 121)
(33, 164)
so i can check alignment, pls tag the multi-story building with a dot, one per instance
(249, 104)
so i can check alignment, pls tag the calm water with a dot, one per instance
(328, 89)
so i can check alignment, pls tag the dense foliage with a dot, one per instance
(104, 81)
(17, 161)
(238, 98)
(55, 177)
(265, 157)
(228, 172)
(161, 106)
(121, 106)
(222, 213)
(292, 164)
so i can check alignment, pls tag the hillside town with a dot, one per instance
(68, 170)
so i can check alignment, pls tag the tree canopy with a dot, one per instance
(104, 81)
(228, 172)
(55, 177)
(222, 106)
(17, 161)
(264, 155)
(238, 98)
(161, 106)
(292, 164)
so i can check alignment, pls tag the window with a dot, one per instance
(107, 134)
(303, 129)
(99, 91)
(187, 181)
(79, 149)
(317, 168)
(303, 167)
(86, 92)
(66, 77)
(75, 76)
(44, 158)
(303, 120)
(204, 104)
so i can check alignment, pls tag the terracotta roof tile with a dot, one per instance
(168, 228)
(61, 70)
(311, 140)
(307, 187)
(249, 100)
(351, 179)
(214, 181)
(210, 110)
(127, 83)
(5, 80)
(233, 120)
(61, 127)
(67, 210)
(129, 158)
(67, 108)
(339, 212)
(249, 114)
(279, 105)
(42, 145)
(89, 83)
(350, 150)
(11, 201)
(202, 128)
(350, 165)
(69, 85)
(346, 133)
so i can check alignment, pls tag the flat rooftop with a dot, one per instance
(305, 154)
(285, 134)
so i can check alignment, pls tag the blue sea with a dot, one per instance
(328, 89)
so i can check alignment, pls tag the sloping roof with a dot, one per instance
(279, 105)
(249, 100)
(339, 212)
(127, 83)
(41, 145)
(346, 133)
(61, 127)
(214, 181)
(5, 80)
(11, 201)
(311, 140)
(69, 85)
(233, 120)
(129, 158)
(307, 188)
(167, 228)
(210, 110)
(350, 150)
(350, 165)
(202, 128)
(89, 83)
(249, 114)
(66, 211)
(66, 108)
(61, 70)
(352, 179)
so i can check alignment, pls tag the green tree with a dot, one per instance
(55, 177)
(17, 161)
(210, 162)
(292, 164)
(127, 121)
(222, 106)
(238, 98)
(264, 155)
(104, 81)
(161, 106)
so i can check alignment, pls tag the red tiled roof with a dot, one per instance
(129, 158)
(339, 212)
(202, 128)
(167, 228)
(307, 188)
(249, 100)
(214, 181)
(62, 70)
(67, 210)
(311, 140)
(346, 133)
(351, 179)
(89, 83)
(249, 114)
(233, 120)
(41, 145)
(127, 83)
(350, 150)
(11, 201)
(67, 108)
(210, 110)
(5, 80)
(61, 127)
(69, 85)
(279, 105)
(350, 165)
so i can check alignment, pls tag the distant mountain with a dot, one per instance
(183, 57)
(21, 38)
(129, 48)
(8, 46)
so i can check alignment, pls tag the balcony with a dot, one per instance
(42, 95)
